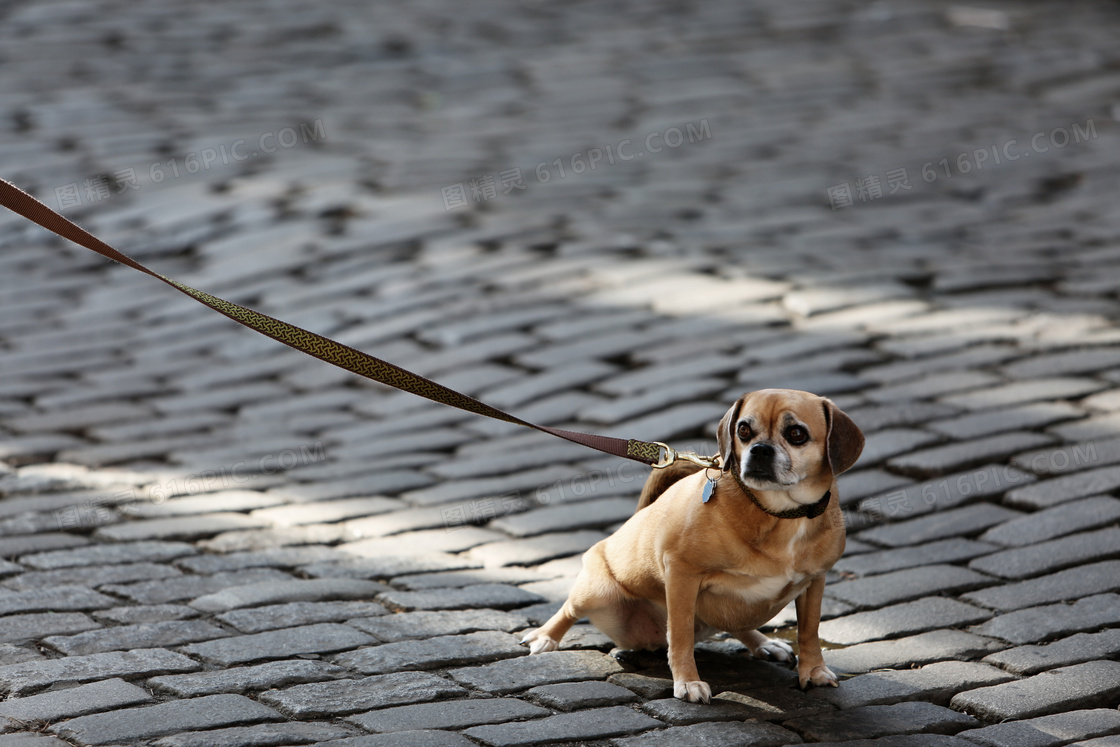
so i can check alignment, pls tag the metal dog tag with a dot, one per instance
(705, 494)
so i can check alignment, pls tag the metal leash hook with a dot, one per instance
(672, 455)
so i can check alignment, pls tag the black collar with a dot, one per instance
(804, 511)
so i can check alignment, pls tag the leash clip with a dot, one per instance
(672, 455)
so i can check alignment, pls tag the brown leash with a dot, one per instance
(335, 353)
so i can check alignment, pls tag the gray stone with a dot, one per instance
(244, 679)
(132, 724)
(1034, 415)
(457, 579)
(924, 648)
(260, 540)
(1073, 583)
(1095, 683)
(190, 587)
(281, 557)
(535, 550)
(11, 547)
(410, 625)
(716, 734)
(260, 735)
(146, 614)
(107, 554)
(570, 696)
(20, 628)
(1048, 731)
(1021, 392)
(1042, 623)
(75, 701)
(967, 520)
(341, 697)
(497, 596)
(595, 723)
(933, 385)
(940, 551)
(904, 585)
(962, 454)
(645, 686)
(453, 538)
(418, 738)
(27, 677)
(295, 590)
(681, 713)
(1075, 649)
(855, 486)
(882, 445)
(430, 653)
(327, 511)
(940, 493)
(389, 567)
(900, 620)
(1087, 513)
(94, 576)
(1051, 492)
(1065, 362)
(454, 714)
(180, 527)
(277, 644)
(1033, 560)
(567, 516)
(543, 669)
(220, 501)
(144, 635)
(292, 615)
(54, 599)
(880, 720)
(936, 683)
(1070, 457)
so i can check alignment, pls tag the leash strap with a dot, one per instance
(324, 348)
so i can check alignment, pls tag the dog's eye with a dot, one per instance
(745, 432)
(797, 435)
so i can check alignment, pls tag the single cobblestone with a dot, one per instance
(496, 596)
(904, 585)
(1095, 683)
(869, 722)
(570, 696)
(409, 625)
(1075, 649)
(257, 735)
(1041, 623)
(165, 718)
(430, 653)
(276, 644)
(341, 697)
(900, 620)
(244, 679)
(595, 723)
(916, 650)
(456, 714)
(1049, 523)
(297, 614)
(273, 592)
(935, 683)
(1073, 583)
(509, 676)
(75, 701)
(1033, 560)
(144, 635)
(109, 554)
(20, 628)
(27, 677)
(1048, 731)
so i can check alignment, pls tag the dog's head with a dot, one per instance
(779, 439)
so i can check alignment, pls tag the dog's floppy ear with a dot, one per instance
(725, 436)
(845, 439)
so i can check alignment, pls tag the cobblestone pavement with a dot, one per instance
(612, 216)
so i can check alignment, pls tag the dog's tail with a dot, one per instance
(659, 481)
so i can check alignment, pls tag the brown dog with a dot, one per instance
(770, 529)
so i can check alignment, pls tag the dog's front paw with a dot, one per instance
(773, 649)
(693, 691)
(820, 676)
(539, 643)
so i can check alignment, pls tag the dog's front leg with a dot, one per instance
(681, 589)
(810, 660)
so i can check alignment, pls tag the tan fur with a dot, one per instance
(681, 569)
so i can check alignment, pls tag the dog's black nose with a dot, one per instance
(762, 451)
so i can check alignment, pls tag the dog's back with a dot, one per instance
(659, 481)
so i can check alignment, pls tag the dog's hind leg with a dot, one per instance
(594, 590)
